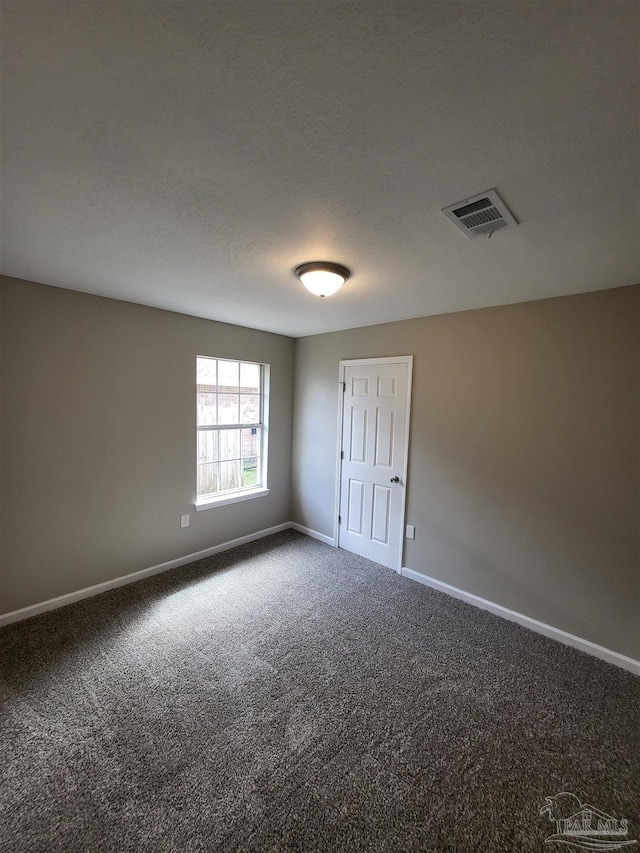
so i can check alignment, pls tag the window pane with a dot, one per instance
(249, 408)
(207, 446)
(250, 472)
(250, 377)
(230, 475)
(228, 405)
(250, 443)
(206, 414)
(208, 478)
(206, 371)
(229, 443)
(228, 393)
(228, 375)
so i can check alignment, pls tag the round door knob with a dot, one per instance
(395, 479)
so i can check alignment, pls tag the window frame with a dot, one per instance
(230, 496)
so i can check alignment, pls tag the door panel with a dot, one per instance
(386, 386)
(380, 514)
(357, 450)
(356, 507)
(360, 386)
(373, 454)
(385, 421)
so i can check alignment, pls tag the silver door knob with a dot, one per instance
(395, 479)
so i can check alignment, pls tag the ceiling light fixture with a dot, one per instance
(322, 278)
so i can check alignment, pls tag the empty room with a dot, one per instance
(319, 426)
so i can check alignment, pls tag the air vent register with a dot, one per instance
(480, 215)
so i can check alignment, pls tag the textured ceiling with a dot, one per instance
(189, 155)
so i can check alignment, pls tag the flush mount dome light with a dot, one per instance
(322, 278)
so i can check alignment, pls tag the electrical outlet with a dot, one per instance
(184, 521)
(411, 531)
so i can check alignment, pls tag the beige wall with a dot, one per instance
(98, 438)
(524, 454)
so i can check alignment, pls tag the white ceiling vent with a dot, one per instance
(481, 214)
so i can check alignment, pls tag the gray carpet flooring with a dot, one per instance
(286, 696)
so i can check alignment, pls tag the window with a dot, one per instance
(231, 430)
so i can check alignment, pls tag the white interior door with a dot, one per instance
(375, 422)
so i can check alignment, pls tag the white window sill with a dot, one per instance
(229, 498)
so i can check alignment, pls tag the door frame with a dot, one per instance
(354, 362)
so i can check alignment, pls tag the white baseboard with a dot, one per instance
(548, 630)
(540, 627)
(96, 589)
(328, 540)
